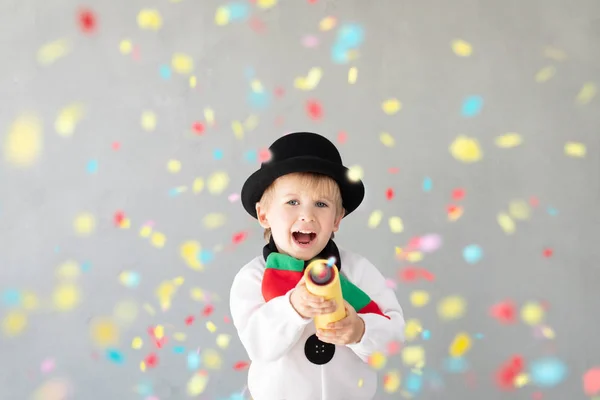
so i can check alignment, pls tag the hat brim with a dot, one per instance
(352, 192)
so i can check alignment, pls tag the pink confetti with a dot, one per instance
(47, 366)
(591, 382)
(310, 41)
(233, 197)
(429, 243)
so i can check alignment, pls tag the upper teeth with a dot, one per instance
(304, 231)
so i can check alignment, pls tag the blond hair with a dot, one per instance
(321, 184)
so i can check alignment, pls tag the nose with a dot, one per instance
(306, 214)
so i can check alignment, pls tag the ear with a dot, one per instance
(261, 214)
(338, 220)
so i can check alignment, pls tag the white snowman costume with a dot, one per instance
(281, 344)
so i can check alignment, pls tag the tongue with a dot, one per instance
(302, 237)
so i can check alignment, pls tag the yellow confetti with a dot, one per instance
(68, 270)
(532, 313)
(198, 185)
(413, 355)
(355, 173)
(193, 81)
(265, 4)
(396, 225)
(24, 141)
(29, 301)
(509, 140)
(451, 307)
(182, 63)
(519, 209)
(158, 239)
(197, 294)
(251, 122)
(84, 224)
(68, 118)
(66, 297)
(465, 149)
(352, 75)
(391, 106)
(145, 231)
(361, 382)
(149, 19)
(587, 93)
(456, 213)
(548, 332)
(214, 220)
(53, 389)
(506, 223)
(212, 328)
(209, 115)
(310, 81)
(414, 256)
(125, 46)
(412, 329)
(52, 51)
(197, 383)
(521, 380)
(14, 323)
(104, 332)
(178, 281)
(211, 359)
(327, 23)
(165, 291)
(377, 360)
(573, 149)
(554, 53)
(419, 298)
(375, 218)
(179, 336)
(238, 129)
(545, 74)
(148, 121)
(159, 331)
(125, 223)
(189, 252)
(392, 381)
(174, 166)
(142, 366)
(460, 345)
(387, 139)
(218, 182)
(257, 86)
(461, 48)
(126, 311)
(223, 340)
(222, 16)
(149, 309)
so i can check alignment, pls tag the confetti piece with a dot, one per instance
(198, 185)
(66, 297)
(419, 298)
(68, 270)
(14, 323)
(126, 311)
(472, 253)
(387, 139)
(189, 252)
(266, 4)
(377, 360)
(396, 225)
(125, 46)
(53, 389)
(197, 384)
(53, 51)
(92, 166)
(547, 372)
(427, 184)
(460, 345)
(314, 110)
(509, 140)
(472, 106)
(413, 383)
(68, 118)
(84, 224)
(544, 74)
(519, 209)
(211, 359)
(591, 381)
(587, 93)
(355, 173)
(137, 343)
(506, 223)
(193, 361)
(24, 141)
(129, 279)
(391, 106)
(214, 220)
(392, 381)
(461, 48)
(240, 365)
(211, 327)
(148, 121)
(412, 329)
(573, 149)
(456, 365)
(309, 82)
(158, 239)
(532, 313)
(88, 21)
(223, 340)
(218, 182)
(104, 332)
(182, 63)
(504, 312)
(174, 166)
(47, 366)
(327, 23)
(554, 53)
(352, 75)
(466, 149)
(115, 356)
(430, 243)
(149, 19)
(452, 307)
(413, 355)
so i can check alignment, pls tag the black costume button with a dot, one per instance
(318, 352)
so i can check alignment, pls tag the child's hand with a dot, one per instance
(345, 331)
(307, 304)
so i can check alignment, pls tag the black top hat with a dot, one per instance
(302, 152)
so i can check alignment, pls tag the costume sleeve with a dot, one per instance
(267, 330)
(379, 331)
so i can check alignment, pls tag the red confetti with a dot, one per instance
(160, 343)
(409, 274)
(198, 127)
(506, 374)
(414, 243)
(389, 194)
(150, 331)
(314, 109)
(393, 348)
(279, 121)
(264, 155)
(458, 194)
(452, 209)
(87, 21)
(189, 320)
(534, 201)
(393, 170)
(257, 25)
(116, 145)
(240, 365)
(504, 312)
(548, 252)
(342, 137)
(537, 395)
(312, 1)
(226, 319)
(151, 360)
(428, 276)
(119, 218)
(279, 91)
(239, 237)
(208, 309)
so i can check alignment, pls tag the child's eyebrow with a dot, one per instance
(327, 198)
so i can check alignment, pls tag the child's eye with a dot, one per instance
(321, 204)
(293, 202)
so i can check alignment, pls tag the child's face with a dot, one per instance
(295, 208)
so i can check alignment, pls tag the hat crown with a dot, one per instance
(303, 144)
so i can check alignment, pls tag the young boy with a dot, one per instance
(300, 197)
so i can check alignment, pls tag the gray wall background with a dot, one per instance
(48, 352)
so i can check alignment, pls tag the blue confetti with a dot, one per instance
(92, 166)
(426, 334)
(472, 106)
(456, 365)
(237, 11)
(11, 297)
(205, 256)
(258, 99)
(339, 54)
(547, 372)
(218, 154)
(251, 155)
(472, 253)
(478, 336)
(193, 360)
(57, 249)
(115, 356)
(144, 389)
(350, 35)
(249, 73)
(165, 72)
(427, 184)
(178, 349)
(413, 383)
(132, 279)
(552, 211)
(86, 266)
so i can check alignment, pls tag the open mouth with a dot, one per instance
(304, 237)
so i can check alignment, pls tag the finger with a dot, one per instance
(341, 324)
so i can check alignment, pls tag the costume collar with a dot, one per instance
(330, 250)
